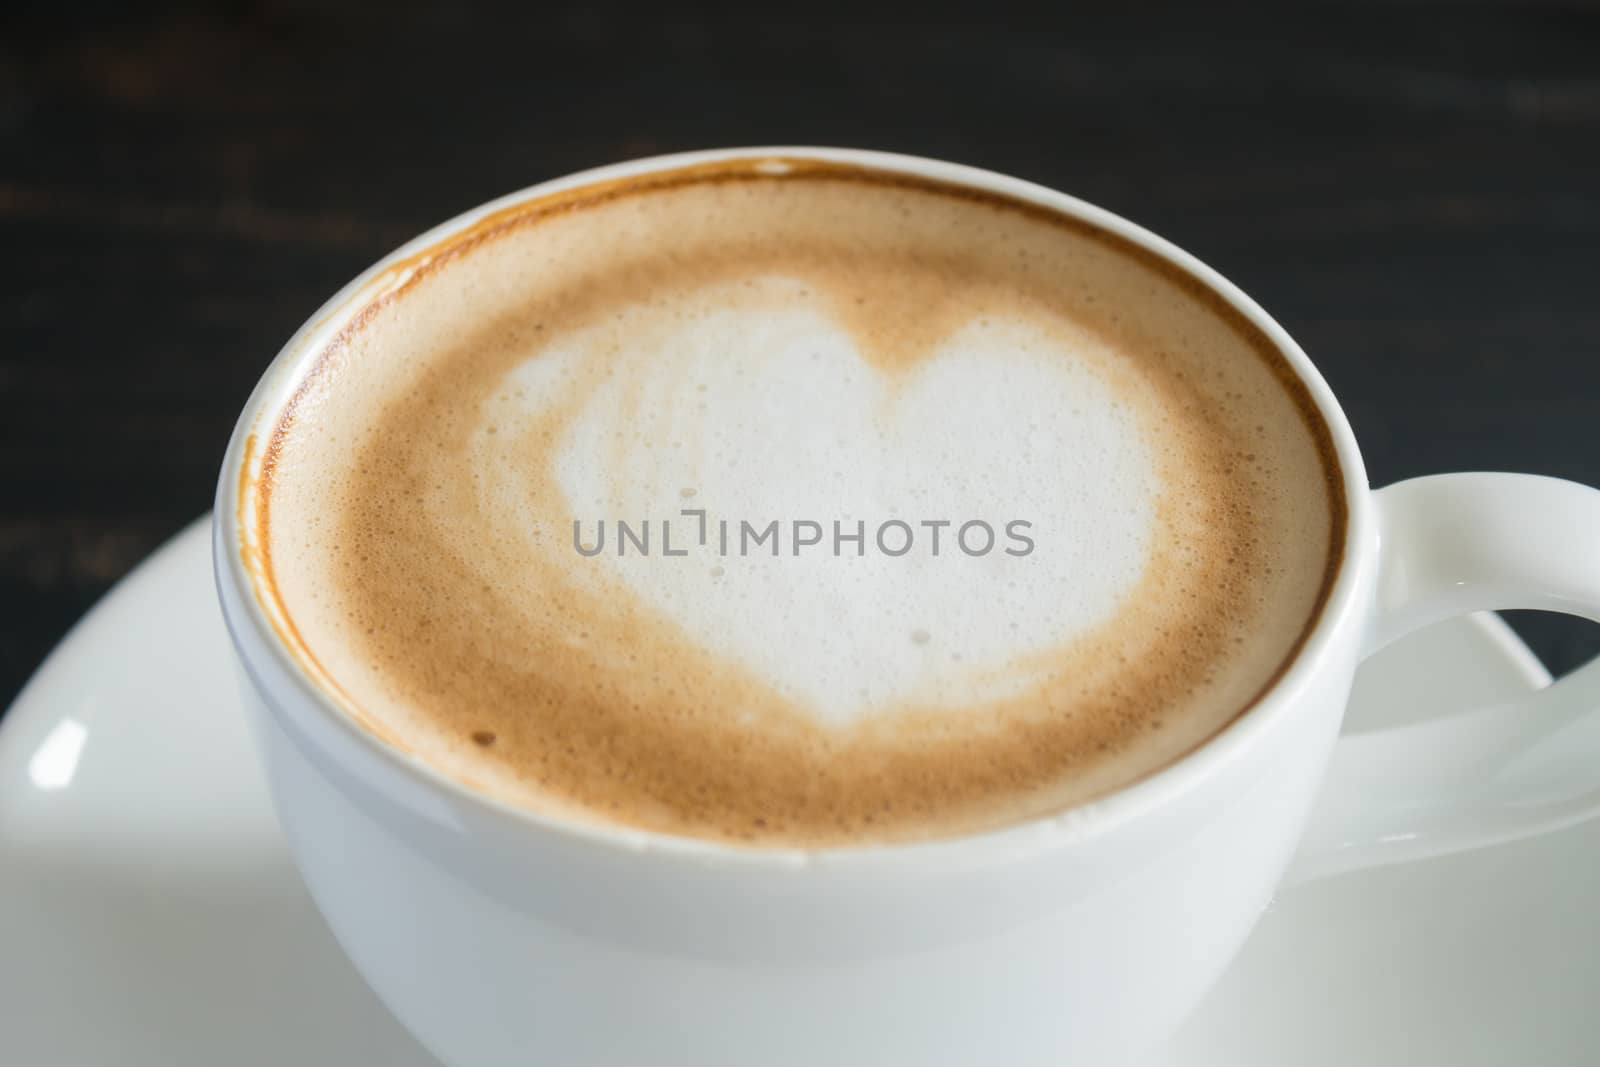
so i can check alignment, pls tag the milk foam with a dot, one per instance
(807, 346)
(774, 415)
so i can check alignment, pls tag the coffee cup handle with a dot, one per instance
(1448, 545)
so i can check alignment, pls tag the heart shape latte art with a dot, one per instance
(765, 409)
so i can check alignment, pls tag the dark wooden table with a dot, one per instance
(1414, 191)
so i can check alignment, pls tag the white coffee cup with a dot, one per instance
(503, 936)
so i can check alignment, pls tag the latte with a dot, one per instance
(503, 520)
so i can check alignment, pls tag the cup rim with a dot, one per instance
(243, 608)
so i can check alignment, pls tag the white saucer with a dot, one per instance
(149, 913)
